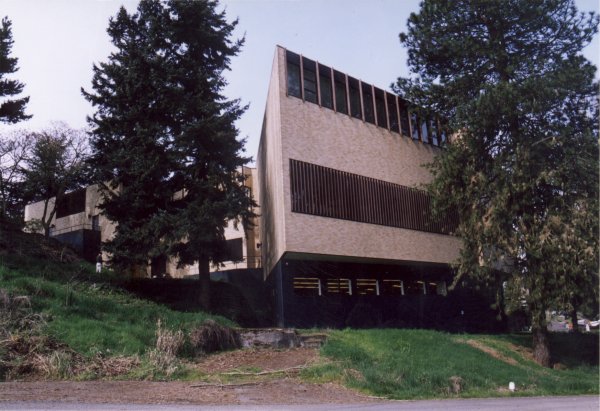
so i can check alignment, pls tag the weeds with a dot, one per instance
(78, 325)
(16, 315)
(56, 364)
(168, 345)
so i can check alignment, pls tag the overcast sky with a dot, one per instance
(57, 41)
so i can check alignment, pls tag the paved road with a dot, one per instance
(579, 403)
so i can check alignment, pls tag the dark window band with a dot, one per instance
(319, 84)
(71, 203)
(327, 192)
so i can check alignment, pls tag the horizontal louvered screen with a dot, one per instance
(326, 192)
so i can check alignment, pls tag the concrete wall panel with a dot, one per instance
(320, 136)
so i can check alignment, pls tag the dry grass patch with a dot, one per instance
(492, 351)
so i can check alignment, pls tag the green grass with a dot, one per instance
(410, 364)
(88, 311)
(92, 314)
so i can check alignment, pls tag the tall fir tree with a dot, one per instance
(131, 139)
(164, 135)
(522, 169)
(11, 110)
(208, 150)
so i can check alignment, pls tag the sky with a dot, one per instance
(58, 41)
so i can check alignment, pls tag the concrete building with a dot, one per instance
(346, 231)
(345, 234)
(78, 222)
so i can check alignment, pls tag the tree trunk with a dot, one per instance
(47, 223)
(204, 277)
(541, 349)
(574, 318)
(501, 302)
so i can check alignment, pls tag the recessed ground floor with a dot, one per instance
(329, 291)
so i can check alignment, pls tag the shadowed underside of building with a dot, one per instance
(348, 236)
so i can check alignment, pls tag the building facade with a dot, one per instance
(79, 223)
(347, 234)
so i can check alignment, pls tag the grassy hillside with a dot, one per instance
(406, 364)
(86, 310)
(61, 320)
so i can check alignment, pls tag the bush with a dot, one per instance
(212, 337)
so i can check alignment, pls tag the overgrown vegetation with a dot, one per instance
(62, 320)
(409, 364)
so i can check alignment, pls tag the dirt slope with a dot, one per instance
(255, 376)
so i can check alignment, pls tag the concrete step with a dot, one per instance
(313, 340)
(279, 338)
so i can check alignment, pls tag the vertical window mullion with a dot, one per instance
(307, 193)
(387, 204)
(357, 198)
(302, 77)
(293, 185)
(347, 84)
(322, 191)
(339, 206)
(387, 111)
(313, 188)
(333, 90)
(330, 193)
(376, 200)
(397, 207)
(398, 114)
(373, 103)
(304, 187)
(412, 208)
(360, 94)
(318, 83)
(422, 211)
(369, 199)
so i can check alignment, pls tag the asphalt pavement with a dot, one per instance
(579, 403)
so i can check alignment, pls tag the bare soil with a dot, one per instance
(252, 376)
(525, 353)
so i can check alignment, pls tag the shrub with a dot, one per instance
(212, 337)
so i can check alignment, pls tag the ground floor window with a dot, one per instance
(342, 286)
(367, 286)
(307, 286)
(392, 287)
(316, 286)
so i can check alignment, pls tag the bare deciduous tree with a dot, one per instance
(55, 166)
(15, 147)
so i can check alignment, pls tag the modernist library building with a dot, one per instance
(348, 237)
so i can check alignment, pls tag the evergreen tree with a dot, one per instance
(209, 154)
(11, 110)
(164, 134)
(522, 169)
(131, 132)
